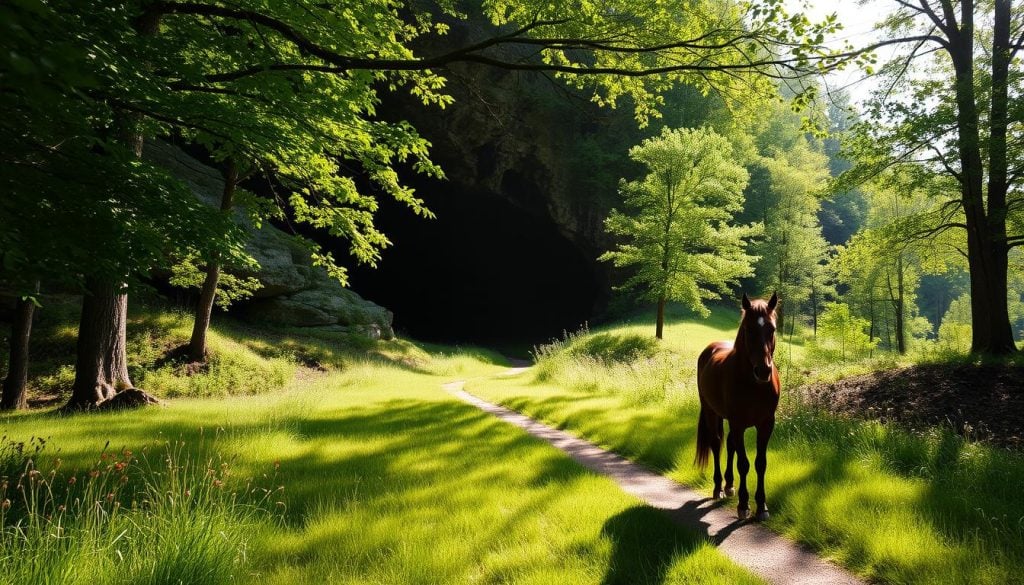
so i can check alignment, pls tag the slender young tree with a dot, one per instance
(676, 232)
(208, 292)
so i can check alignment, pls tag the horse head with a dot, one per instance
(757, 333)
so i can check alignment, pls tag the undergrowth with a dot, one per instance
(158, 517)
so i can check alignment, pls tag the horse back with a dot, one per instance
(709, 352)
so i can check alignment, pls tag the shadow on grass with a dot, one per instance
(644, 546)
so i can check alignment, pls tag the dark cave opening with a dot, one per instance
(483, 272)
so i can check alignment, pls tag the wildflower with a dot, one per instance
(188, 493)
(110, 497)
(72, 480)
(61, 508)
(119, 466)
(124, 479)
(6, 504)
(217, 483)
(277, 465)
(94, 473)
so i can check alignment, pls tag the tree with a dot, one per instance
(677, 233)
(947, 107)
(792, 250)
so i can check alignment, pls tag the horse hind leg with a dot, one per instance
(716, 426)
(730, 452)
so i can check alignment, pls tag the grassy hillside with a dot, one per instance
(298, 459)
(891, 505)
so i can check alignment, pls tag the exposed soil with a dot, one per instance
(984, 403)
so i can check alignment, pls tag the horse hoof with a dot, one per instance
(743, 514)
(729, 492)
(761, 516)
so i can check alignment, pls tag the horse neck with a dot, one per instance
(739, 347)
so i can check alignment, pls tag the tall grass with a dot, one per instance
(630, 365)
(159, 517)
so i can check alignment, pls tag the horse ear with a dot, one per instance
(746, 302)
(773, 302)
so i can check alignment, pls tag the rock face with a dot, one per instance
(293, 292)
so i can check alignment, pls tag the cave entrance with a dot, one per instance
(483, 272)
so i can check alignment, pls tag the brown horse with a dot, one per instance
(739, 382)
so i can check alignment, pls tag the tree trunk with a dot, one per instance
(660, 325)
(14, 390)
(101, 364)
(101, 367)
(871, 327)
(900, 308)
(986, 229)
(814, 306)
(204, 310)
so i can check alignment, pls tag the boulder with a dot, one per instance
(292, 291)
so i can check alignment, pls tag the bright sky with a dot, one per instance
(858, 20)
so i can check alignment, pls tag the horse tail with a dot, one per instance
(704, 436)
(704, 429)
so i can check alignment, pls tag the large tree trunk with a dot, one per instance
(986, 229)
(14, 390)
(101, 367)
(204, 310)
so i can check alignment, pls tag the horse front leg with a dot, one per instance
(742, 466)
(764, 432)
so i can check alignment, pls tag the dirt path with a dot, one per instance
(772, 557)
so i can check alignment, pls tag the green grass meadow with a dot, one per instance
(359, 470)
(890, 505)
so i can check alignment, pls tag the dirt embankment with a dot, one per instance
(984, 403)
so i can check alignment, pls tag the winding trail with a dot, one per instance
(765, 553)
